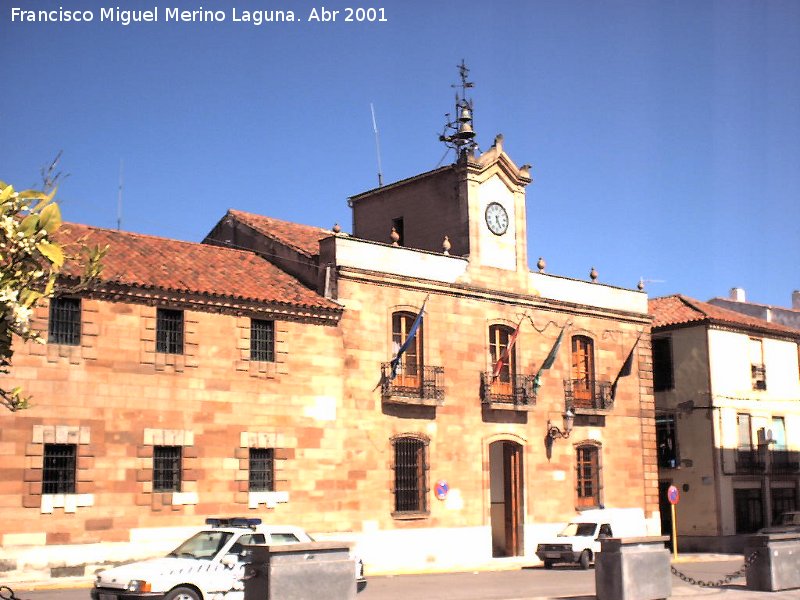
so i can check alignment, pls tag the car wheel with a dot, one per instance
(585, 559)
(548, 564)
(182, 593)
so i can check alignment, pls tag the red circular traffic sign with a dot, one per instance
(673, 495)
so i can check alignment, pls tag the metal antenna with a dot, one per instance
(119, 198)
(377, 144)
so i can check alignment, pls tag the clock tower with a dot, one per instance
(478, 203)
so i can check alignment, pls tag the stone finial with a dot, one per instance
(640, 285)
(446, 246)
(593, 275)
(541, 264)
(395, 237)
(337, 228)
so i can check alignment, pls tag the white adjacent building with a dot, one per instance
(727, 392)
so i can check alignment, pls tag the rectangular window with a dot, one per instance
(262, 470)
(169, 331)
(58, 468)
(262, 340)
(662, 365)
(667, 441)
(397, 225)
(588, 468)
(745, 431)
(747, 508)
(783, 500)
(65, 322)
(758, 372)
(167, 468)
(410, 489)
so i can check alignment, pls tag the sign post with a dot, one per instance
(674, 496)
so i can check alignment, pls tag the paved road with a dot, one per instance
(522, 584)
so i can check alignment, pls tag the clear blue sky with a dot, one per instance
(664, 135)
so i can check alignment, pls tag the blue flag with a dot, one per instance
(412, 332)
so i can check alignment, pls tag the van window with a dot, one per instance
(579, 530)
(284, 538)
(605, 531)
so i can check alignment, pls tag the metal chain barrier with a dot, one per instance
(720, 582)
(6, 593)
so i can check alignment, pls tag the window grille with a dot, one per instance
(169, 331)
(262, 470)
(262, 340)
(167, 468)
(588, 468)
(410, 472)
(58, 469)
(65, 322)
(666, 440)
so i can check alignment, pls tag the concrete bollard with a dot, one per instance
(633, 569)
(776, 564)
(305, 571)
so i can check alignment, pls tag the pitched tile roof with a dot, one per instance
(680, 310)
(302, 238)
(151, 262)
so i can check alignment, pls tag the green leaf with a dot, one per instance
(52, 252)
(33, 195)
(29, 224)
(7, 191)
(29, 297)
(50, 218)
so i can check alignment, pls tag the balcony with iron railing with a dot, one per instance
(419, 385)
(749, 461)
(516, 392)
(784, 461)
(588, 396)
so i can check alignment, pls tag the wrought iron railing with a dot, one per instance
(588, 394)
(413, 384)
(749, 461)
(785, 461)
(515, 392)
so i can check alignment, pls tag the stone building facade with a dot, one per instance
(523, 397)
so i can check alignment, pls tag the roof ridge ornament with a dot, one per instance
(458, 132)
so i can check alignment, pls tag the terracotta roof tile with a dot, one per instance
(682, 310)
(151, 262)
(302, 238)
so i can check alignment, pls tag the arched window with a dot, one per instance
(499, 338)
(410, 475)
(588, 475)
(583, 370)
(409, 371)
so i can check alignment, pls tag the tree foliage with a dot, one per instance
(30, 260)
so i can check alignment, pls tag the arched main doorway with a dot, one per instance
(506, 495)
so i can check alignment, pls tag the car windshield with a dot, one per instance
(578, 530)
(202, 546)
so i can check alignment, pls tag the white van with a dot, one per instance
(579, 541)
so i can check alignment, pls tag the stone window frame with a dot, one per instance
(423, 475)
(160, 501)
(258, 368)
(54, 353)
(176, 363)
(80, 437)
(281, 454)
(597, 478)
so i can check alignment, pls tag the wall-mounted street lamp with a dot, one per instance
(553, 432)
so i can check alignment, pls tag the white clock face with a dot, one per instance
(496, 218)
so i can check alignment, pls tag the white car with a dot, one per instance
(207, 566)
